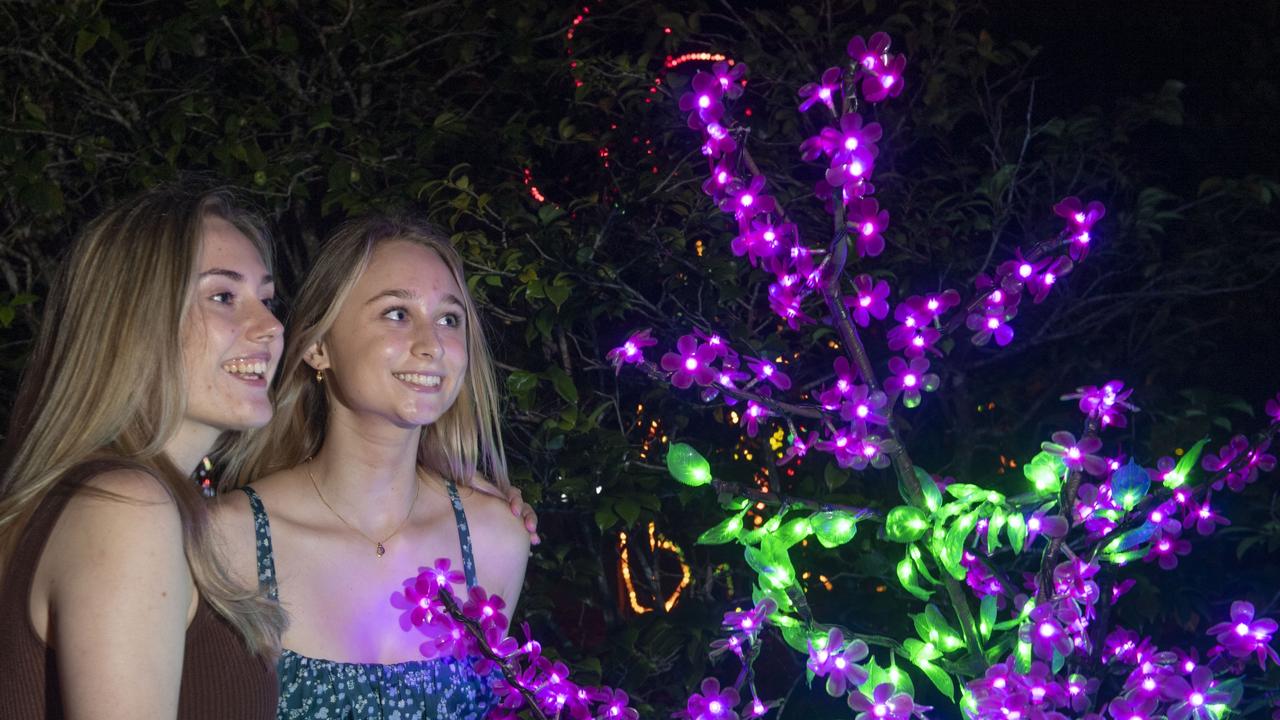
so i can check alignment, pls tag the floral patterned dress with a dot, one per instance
(313, 688)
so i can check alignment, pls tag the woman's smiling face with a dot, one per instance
(398, 347)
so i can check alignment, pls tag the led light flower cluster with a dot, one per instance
(475, 628)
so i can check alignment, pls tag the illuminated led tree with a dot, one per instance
(992, 646)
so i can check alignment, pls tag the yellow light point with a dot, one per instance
(882, 588)
(759, 506)
(1179, 452)
(805, 575)
(759, 520)
(733, 416)
(697, 247)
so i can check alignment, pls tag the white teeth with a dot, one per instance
(246, 367)
(419, 379)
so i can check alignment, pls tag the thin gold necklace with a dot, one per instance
(377, 544)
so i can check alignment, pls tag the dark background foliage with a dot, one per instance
(460, 109)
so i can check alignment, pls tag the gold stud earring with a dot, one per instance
(319, 375)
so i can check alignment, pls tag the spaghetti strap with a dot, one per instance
(266, 558)
(464, 535)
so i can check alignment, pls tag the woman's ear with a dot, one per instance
(317, 357)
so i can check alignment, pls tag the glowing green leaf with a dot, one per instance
(953, 546)
(962, 490)
(1023, 657)
(772, 524)
(1125, 558)
(929, 488)
(794, 531)
(1179, 474)
(905, 524)
(723, 532)
(986, 616)
(687, 465)
(1017, 531)
(995, 524)
(921, 566)
(940, 678)
(1131, 539)
(1045, 473)
(796, 637)
(834, 527)
(907, 576)
(877, 675)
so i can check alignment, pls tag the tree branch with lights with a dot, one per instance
(1044, 650)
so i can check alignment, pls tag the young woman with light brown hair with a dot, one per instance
(384, 455)
(158, 340)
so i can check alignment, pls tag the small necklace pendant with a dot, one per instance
(381, 550)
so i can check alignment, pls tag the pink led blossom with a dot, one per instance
(914, 336)
(1166, 548)
(1080, 220)
(691, 363)
(852, 168)
(870, 300)
(824, 91)
(1193, 698)
(1203, 517)
(730, 78)
(702, 102)
(1045, 633)
(746, 200)
(766, 371)
(864, 407)
(909, 378)
(866, 222)
(763, 239)
(631, 351)
(1242, 635)
(845, 375)
(1138, 708)
(798, 448)
(1076, 455)
(988, 325)
(884, 703)
(754, 414)
(1107, 403)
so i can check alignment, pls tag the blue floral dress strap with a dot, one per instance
(266, 558)
(464, 535)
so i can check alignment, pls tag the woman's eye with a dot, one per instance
(451, 320)
(272, 305)
(396, 314)
(226, 298)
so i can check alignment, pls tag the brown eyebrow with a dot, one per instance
(234, 276)
(408, 296)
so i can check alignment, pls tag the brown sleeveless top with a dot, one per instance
(221, 678)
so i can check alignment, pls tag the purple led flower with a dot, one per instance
(763, 240)
(909, 378)
(616, 706)
(886, 82)
(1194, 698)
(1242, 636)
(844, 446)
(798, 448)
(1052, 526)
(691, 363)
(717, 140)
(1042, 283)
(702, 102)
(1273, 408)
(745, 201)
(1045, 634)
(868, 54)
(1139, 708)
(1076, 455)
(866, 222)
(768, 372)
(1080, 220)
(852, 168)
(1074, 579)
(754, 413)
(935, 305)
(870, 451)
(989, 324)
(845, 674)
(1203, 517)
(870, 300)
(863, 407)
(846, 374)
(819, 662)
(914, 336)
(1165, 549)
(730, 78)
(785, 300)
(822, 91)
(713, 703)
(485, 609)
(718, 182)
(750, 621)
(883, 704)
(631, 351)
(1107, 403)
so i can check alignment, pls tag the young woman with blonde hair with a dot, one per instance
(158, 339)
(384, 455)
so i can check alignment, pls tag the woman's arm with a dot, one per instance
(119, 598)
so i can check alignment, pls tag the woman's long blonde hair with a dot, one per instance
(465, 442)
(106, 378)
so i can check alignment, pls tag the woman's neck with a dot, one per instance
(190, 444)
(365, 473)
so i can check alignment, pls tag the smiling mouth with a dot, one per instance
(246, 369)
(428, 382)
